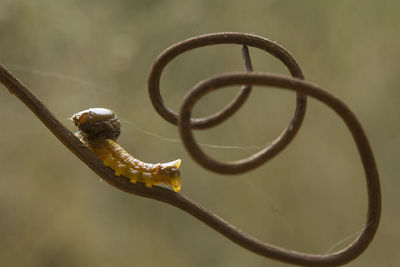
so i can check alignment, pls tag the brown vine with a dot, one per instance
(186, 124)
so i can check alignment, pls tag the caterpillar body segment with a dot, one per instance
(99, 128)
(115, 157)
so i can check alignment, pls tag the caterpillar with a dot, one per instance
(99, 128)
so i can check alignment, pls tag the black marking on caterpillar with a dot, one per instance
(99, 128)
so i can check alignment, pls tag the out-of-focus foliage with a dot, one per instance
(54, 211)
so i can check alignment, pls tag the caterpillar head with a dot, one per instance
(97, 124)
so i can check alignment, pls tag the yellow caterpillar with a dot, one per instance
(99, 128)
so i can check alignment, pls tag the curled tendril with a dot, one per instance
(230, 38)
(186, 124)
(223, 38)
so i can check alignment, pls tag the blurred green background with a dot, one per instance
(54, 211)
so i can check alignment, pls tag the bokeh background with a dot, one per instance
(54, 211)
